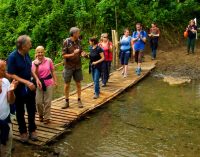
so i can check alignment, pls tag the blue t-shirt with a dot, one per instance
(139, 44)
(21, 66)
(125, 44)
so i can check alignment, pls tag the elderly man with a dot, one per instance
(72, 60)
(6, 97)
(19, 68)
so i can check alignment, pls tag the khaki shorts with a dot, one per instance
(75, 73)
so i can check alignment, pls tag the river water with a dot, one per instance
(152, 119)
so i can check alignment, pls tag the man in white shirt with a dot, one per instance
(6, 97)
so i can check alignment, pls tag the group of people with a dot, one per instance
(32, 81)
(136, 44)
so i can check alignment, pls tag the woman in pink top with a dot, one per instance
(106, 45)
(43, 67)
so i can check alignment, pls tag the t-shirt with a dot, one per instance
(139, 44)
(95, 55)
(21, 66)
(154, 31)
(106, 49)
(44, 70)
(190, 33)
(4, 105)
(68, 48)
(125, 44)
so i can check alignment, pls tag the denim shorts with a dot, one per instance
(125, 57)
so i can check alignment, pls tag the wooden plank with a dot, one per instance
(61, 118)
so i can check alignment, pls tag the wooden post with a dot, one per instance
(114, 49)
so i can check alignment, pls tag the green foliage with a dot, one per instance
(48, 22)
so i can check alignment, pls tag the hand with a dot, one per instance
(76, 51)
(94, 63)
(13, 85)
(31, 86)
(37, 62)
(83, 54)
(55, 84)
(0, 86)
(39, 84)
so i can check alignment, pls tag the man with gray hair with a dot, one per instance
(19, 68)
(71, 54)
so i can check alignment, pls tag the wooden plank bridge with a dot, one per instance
(62, 118)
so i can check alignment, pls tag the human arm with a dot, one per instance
(10, 93)
(100, 60)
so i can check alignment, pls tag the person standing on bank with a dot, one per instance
(7, 97)
(19, 68)
(43, 67)
(154, 35)
(125, 49)
(106, 45)
(71, 54)
(96, 57)
(139, 39)
(192, 30)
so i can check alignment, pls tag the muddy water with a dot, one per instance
(152, 119)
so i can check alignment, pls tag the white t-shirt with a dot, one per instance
(4, 105)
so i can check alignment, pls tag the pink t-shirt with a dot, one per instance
(44, 70)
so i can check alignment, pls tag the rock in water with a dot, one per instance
(176, 80)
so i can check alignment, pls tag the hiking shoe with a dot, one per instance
(139, 71)
(96, 96)
(41, 118)
(66, 105)
(33, 136)
(80, 104)
(47, 121)
(24, 137)
(103, 85)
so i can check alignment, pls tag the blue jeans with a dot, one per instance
(96, 76)
(106, 65)
(154, 46)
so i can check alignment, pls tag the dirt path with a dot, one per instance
(175, 62)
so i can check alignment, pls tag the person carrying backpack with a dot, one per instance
(139, 38)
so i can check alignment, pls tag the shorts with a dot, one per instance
(75, 73)
(138, 56)
(125, 57)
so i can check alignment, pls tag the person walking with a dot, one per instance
(125, 49)
(107, 47)
(96, 57)
(19, 68)
(71, 54)
(192, 30)
(139, 39)
(154, 35)
(7, 97)
(43, 67)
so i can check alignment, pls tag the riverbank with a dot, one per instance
(175, 62)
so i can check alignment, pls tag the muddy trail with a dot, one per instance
(174, 61)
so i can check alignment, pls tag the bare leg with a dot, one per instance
(78, 86)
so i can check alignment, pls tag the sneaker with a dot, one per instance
(139, 71)
(24, 137)
(41, 118)
(80, 104)
(66, 105)
(33, 136)
(47, 121)
(136, 70)
(103, 85)
(125, 75)
(96, 96)
(122, 73)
